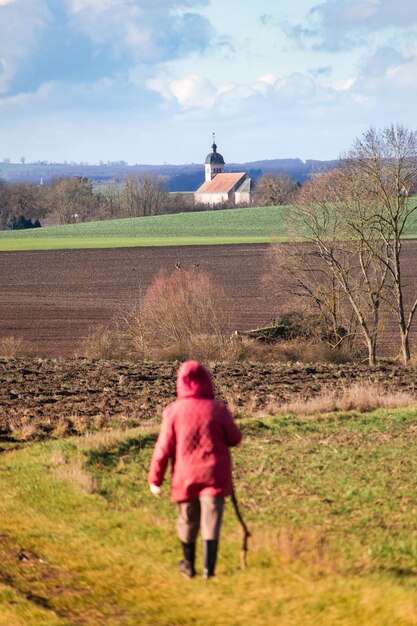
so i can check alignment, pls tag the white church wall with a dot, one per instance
(242, 197)
(211, 198)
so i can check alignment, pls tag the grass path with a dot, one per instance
(330, 500)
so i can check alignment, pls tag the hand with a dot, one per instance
(155, 490)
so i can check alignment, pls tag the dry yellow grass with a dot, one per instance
(12, 347)
(105, 439)
(73, 471)
(23, 429)
(357, 397)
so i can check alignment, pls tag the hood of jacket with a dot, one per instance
(194, 381)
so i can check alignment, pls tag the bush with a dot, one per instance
(293, 336)
(22, 223)
(285, 351)
(182, 315)
(105, 342)
(13, 347)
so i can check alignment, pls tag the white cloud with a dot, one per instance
(104, 77)
(199, 92)
(402, 75)
(348, 13)
(21, 27)
(41, 40)
(190, 92)
(339, 24)
(346, 84)
(294, 87)
(148, 32)
(94, 5)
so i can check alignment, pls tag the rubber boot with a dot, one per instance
(186, 565)
(209, 558)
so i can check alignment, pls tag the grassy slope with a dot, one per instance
(330, 500)
(250, 225)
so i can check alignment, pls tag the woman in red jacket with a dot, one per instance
(196, 434)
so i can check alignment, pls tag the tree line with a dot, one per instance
(74, 199)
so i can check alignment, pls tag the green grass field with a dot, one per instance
(330, 500)
(249, 225)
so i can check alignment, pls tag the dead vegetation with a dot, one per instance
(73, 471)
(13, 347)
(356, 397)
(181, 315)
(58, 398)
(105, 342)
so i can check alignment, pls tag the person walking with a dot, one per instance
(196, 434)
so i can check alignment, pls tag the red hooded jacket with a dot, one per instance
(196, 434)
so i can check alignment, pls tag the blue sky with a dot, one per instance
(147, 81)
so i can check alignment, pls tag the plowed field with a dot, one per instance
(42, 397)
(53, 298)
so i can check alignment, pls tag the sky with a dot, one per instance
(148, 81)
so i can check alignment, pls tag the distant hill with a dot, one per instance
(186, 177)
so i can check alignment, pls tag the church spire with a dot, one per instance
(214, 147)
(214, 163)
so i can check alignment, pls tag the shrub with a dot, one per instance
(242, 348)
(296, 325)
(13, 347)
(105, 342)
(182, 315)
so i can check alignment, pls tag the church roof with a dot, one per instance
(246, 185)
(214, 157)
(221, 183)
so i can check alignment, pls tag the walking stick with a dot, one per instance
(246, 533)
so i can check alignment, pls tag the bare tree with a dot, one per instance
(27, 199)
(72, 200)
(152, 195)
(385, 161)
(274, 189)
(21, 200)
(113, 199)
(129, 196)
(6, 213)
(332, 215)
(143, 196)
(297, 269)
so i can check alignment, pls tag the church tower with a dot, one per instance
(214, 163)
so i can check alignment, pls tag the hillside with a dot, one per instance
(248, 225)
(329, 500)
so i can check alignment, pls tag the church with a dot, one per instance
(220, 187)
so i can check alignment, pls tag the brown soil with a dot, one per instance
(50, 397)
(54, 298)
